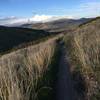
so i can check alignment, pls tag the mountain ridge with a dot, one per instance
(58, 25)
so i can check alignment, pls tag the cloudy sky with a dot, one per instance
(38, 10)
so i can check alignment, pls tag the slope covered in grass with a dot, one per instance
(29, 73)
(12, 37)
(57, 25)
(83, 47)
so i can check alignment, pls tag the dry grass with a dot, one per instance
(21, 70)
(87, 52)
(84, 53)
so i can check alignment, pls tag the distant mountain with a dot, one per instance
(57, 25)
(11, 36)
(17, 21)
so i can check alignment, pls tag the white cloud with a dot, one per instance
(13, 21)
(90, 6)
(88, 9)
(45, 18)
(40, 17)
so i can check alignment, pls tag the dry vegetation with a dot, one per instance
(22, 71)
(83, 48)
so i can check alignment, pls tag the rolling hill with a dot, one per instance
(57, 25)
(11, 36)
(83, 47)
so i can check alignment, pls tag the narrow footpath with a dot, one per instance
(65, 89)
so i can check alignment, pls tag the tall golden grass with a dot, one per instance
(83, 47)
(87, 51)
(21, 70)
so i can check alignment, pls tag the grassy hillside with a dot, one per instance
(83, 49)
(29, 73)
(58, 25)
(12, 37)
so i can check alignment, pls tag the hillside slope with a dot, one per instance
(57, 25)
(12, 37)
(28, 73)
(83, 47)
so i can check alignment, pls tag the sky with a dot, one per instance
(44, 9)
(27, 8)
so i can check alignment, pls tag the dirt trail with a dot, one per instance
(65, 89)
